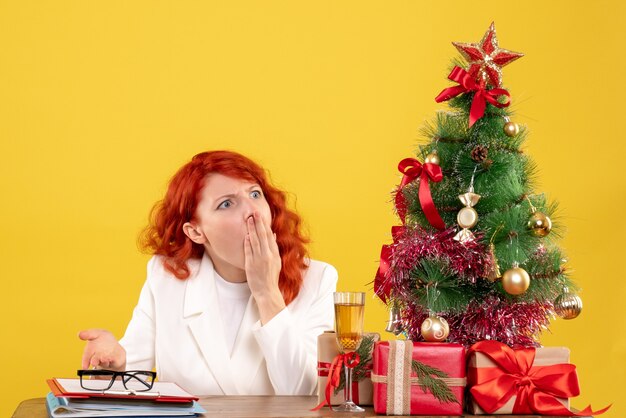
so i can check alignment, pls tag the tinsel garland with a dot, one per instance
(468, 260)
(493, 317)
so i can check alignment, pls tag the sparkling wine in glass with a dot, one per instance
(349, 308)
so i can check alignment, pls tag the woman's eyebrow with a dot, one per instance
(254, 186)
(223, 196)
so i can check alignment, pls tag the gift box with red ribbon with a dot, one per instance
(327, 352)
(400, 390)
(539, 381)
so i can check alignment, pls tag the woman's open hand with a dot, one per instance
(262, 265)
(102, 350)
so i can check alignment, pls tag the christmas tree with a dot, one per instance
(476, 256)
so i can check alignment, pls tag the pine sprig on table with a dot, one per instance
(360, 371)
(430, 381)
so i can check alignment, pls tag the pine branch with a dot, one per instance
(437, 287)
(430, 381)
(507, 148)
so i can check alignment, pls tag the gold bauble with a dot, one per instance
(539, 224)
(435, 329)
(432, 158)
(568, 305)
(515, 281)
(511, 129)
(467, 217)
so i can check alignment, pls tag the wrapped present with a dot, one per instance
(418, 378)
(327, 352)
(540, 381)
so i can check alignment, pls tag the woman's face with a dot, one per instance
(225, 205)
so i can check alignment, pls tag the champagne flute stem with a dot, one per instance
(348, 388)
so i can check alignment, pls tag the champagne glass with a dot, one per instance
(349, 308)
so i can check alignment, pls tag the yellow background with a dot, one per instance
(100, 102)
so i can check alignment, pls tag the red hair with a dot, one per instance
(164, 235)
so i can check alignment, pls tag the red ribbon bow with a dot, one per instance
(382, 284)
(350, 360)
(536, 388)
(412, 169)
(467, 83)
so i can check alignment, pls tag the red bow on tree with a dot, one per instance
(536, 387)
(467, 83)
(412, 169)
(382, 283)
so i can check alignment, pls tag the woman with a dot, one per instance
(231, 305)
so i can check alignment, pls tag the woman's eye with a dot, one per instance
(255, 194)
(225, 204)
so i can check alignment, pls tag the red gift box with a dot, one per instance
(397, 390)
(503, 380)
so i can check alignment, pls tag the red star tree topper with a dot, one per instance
(486, 58)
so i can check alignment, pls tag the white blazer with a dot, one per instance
(177, 326)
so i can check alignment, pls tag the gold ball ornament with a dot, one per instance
(515, 281)
(435, 329)
(511, 129)
(432, 158)
(568, 305)
(539, 224)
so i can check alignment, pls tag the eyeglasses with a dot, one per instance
(101, 380)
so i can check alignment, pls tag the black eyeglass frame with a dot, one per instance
(125, 378)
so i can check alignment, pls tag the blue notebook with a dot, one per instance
(59, 407)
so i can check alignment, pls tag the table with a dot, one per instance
(248, 407)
